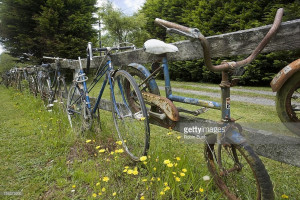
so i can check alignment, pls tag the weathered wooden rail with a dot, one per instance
(275, 146)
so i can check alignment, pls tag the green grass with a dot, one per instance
(44, 159)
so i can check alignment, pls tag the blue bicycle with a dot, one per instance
(126, 103)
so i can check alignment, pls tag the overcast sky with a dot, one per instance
(127, 6)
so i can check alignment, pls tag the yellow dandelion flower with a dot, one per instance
(182, 174)
(126, 167)
(119, 151)
(94, 195)
(99, 193)
(88, 141)
(114, 194)
(178, 158)
(175, 164)
(169, 133)
(165, 184)
(103, 190)
(144, 180)
(162, 193)
(101, 150)
(143, 118)
(97, 184)
(201, 190)
(143, 158)
(154, 168)
(145, 163)
(184, 170)
(130, 171)
(284, 196)
(142, 198)
(177, 179)
(170, 165)
(119, 142)
(97, 147)
(167, 162)
(158, 179)
(112, 153)
(174, 173)
(125, 170)
(153, 179)
(178, 137)
(135, 172)
(105, 179)
(167, 188)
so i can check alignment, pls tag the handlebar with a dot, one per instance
(195, 33)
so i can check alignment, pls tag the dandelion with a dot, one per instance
(130, 171)
(112, 153)
(126, 167)
(284, 196)
(143, 158)
(206, 178)
(182, 174)
(143, 118)
(145, 163)
(97, 184)
(175, 164)
(174, 173)
(73, 186)
(135, 171)
(167, 188)
(177, 179)
(162, 193)
(99, 193)
(125, 170)
(88, 141)
(114, 194)
(158, 179)
(103, 190)
(179, 137)
(144, 180)
(94, 195)
(101, 150)
(178, 158)
(169, 133)
(201, 190)
(105, 179)
(165, 184)
(170, 165)
(119, 142)
(142, 197)
(184, 170)
(154, 168)
(97, 147)
(119, 151)
(167, 162)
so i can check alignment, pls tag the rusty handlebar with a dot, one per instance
(225, 66)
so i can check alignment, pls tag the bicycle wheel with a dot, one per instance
(238, 171)
(33, 88)
(130, 115)
(79, 114)
(288, 103)
(45, 91)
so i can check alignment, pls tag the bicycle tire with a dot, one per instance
(130, 119)
(62, 94)
(79, 114)
(237, 171)
(32, 85)
(45, 91)
(287, 99)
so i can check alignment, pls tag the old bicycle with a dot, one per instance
(130, 119)
(235, 167)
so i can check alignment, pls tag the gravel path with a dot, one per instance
(254, 100)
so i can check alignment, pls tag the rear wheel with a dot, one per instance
(288, 103)
(45, 92)
(238, 171)
(130, 115)
(79, 114)
(62, 94)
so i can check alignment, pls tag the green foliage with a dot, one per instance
(215, 17)
(49, 27)
(122, 28)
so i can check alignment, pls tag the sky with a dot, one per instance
(128, 7)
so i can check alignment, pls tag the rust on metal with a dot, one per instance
(279, 80)
(164, 104)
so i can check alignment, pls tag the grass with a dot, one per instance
(44, 159)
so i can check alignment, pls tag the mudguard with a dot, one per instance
(287, 72)
(152, 83)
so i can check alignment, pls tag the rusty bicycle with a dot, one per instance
(235, 167)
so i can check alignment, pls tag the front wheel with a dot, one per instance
(130, 115)
(288, 103)
(238, 171)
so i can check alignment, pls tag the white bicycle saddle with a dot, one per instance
(158, 47)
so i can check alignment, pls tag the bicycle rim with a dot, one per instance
(130, 115)
(238, 171)
(74, 108)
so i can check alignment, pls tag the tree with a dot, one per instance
(47, 27)
(122, 28)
